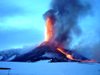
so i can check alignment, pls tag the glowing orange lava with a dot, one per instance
(49, 29)
(69, 56)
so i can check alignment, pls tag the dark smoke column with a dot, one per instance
(66, 14)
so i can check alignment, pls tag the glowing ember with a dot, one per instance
(49, 29)
(69, 56)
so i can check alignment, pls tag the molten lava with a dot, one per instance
(49, 29)
(69, 56)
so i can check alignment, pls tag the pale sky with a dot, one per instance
(21, 22)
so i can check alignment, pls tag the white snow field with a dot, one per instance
(45, 68)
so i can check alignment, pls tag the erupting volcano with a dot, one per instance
(61, 20)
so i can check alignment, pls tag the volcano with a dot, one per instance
(61, 19)
(47, 52)
(51, 50)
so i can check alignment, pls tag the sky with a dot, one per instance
(22, 23)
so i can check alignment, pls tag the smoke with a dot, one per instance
(65, 14)
(91, 51)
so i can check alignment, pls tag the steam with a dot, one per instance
(65, 14)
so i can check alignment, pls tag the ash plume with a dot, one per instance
(65, 14)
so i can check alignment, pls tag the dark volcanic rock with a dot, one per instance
(47, 52)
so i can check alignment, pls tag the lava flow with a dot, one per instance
(69, 56)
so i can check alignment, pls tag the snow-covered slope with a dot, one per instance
(45, 68)
(8, 54)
